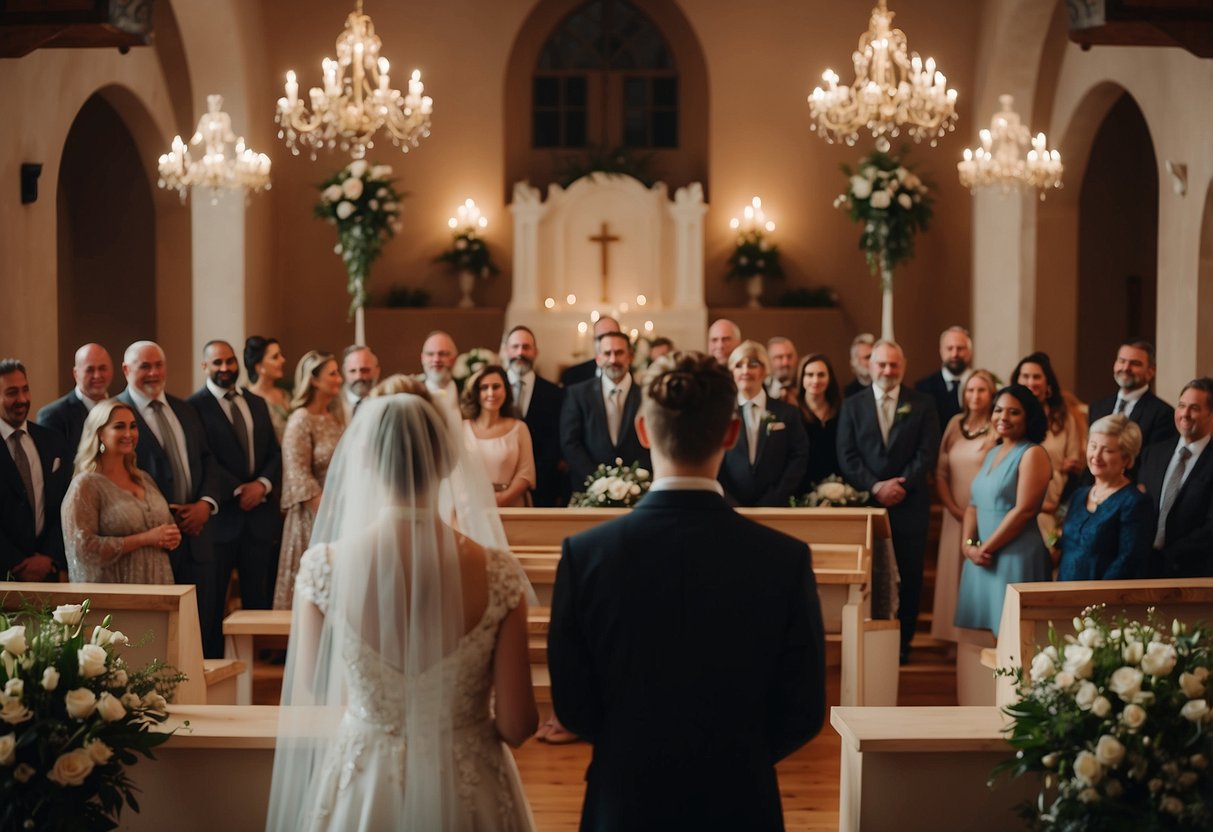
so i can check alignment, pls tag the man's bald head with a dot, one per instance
(93, 371)
(723, 337)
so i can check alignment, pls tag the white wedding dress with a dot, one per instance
(362, 773)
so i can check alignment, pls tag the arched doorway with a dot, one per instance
(106, 236)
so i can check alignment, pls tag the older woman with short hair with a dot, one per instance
(1107, 529)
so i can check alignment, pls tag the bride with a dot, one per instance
(409, 612)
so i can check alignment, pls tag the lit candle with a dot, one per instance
(384, 66)
(292, 87)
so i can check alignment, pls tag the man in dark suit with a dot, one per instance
(539, 402)
(1133, 371)
(92, 371)
(587, 370)
(768, 461)
(861, 355)
(686, 641)
(946, 385)
(248, 466)
(888, 439)
(597, 419)
(35, 471)
(1177, 476)
(172, 449)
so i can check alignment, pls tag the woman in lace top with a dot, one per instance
(117, 527)
(497, 436)
(264, 363)
(311, 436)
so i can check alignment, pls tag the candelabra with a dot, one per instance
(217, 171)
(1005, 160)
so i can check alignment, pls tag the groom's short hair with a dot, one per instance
(689, 401)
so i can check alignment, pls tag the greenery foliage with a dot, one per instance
(891, 203)
(754, 256)
(469, 253)
(613, 486)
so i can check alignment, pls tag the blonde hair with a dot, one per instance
(88, 453)
(306, 371)
(401, 383)
(750, 349)
(988, 378)
(1126, 431)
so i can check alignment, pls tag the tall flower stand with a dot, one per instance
(467, 282)
(886, 307)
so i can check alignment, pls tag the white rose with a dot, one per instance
(118, 679)
(351, 188)
(1089, 795)
(642, 475)
(153, 701)
(80, 703)
(1126, 682)
(1090, 637)
(130, 699)
(72, 768)
(1087, 768)
(50, 679)
(1159, 659)
(1085, 695)
(904, 201)
(881, 200)
(344, 209)
(14, 688)
(8, 749)
(617, 490)
(1132, 652)
(1198, 761)
(1101, 707)
(1172, 805)
(1063, 680)
(68, 613)
(13, 640)
(13, 712)
(599, 486)
(634, 490)
(92, 660)
(357, 167)
(1079, 661)
(1134, 716)
(119, 639)
(101, 636)
(832, 491)
(331, 194)
(1193, 685)
(861, 187)
(1195, 710)
(110, 708)
(381, 171)
(1109, 751)
(1049, 760)
(99, 751)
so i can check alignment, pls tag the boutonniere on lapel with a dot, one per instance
(771, 422)
(902, 412)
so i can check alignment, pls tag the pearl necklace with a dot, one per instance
(967, 434)
(1100, 500)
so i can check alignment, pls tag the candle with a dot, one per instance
(292, 87)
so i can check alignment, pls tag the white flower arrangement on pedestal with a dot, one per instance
(613, 486)
(832, 492)
(467, 364)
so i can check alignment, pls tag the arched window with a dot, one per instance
(605, 77)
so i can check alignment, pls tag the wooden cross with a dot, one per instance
(604, 238)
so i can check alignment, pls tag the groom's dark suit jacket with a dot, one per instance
(779, 464)
(18, 539)
(686, 644)
(585, 437)
(1188, 549)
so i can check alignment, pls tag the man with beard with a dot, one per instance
(92, 371)
(588, 369)
(781, 384)
(248, 465)
(946, 385)
(539, 402)
(35, 470)
(1133, 371)
(438, 355)
(597, 421)
(360, 371)
(861, 354)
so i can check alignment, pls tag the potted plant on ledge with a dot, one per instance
(754, 257)
(468, 255)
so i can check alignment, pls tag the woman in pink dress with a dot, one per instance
(497, 437)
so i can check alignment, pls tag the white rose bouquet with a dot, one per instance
(613, 486)
(832, 492)
(1116, 721)
(72, 716)
(362, 202)
(468, 363)
(892, 203)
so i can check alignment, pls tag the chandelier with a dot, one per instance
(218, 170)
(356, 101)
(894, 90)
(1005, 160)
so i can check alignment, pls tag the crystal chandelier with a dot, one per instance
(357, 99)
(894, 90)
(218, 170)
(1005, 160)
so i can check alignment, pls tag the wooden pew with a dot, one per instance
(168, 612)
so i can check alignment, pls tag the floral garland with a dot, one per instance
(613, 486)
(362, 202)
(833, 491)
(892, 203)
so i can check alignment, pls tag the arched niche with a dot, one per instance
(1204, 289)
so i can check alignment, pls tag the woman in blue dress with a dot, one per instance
(1002, 542)
(1107, 531)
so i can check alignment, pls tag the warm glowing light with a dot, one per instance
(570, 299)
(583, 327)
(641, 300)
(550, 303)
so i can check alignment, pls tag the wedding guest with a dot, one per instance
(93, 372)
(438, 355)
(117, 526)
(946, 383)
(782, 382)
(1133, 371)
(1064, 439)
(1002, 543)
(34, 470)
(861, 355)
(360, 372)
(312, 433)
(497, 437)
(644, 611)
(539, 402)
(1107, 529)
(266, 365)
(723, 338)
(588, 369)
(660, 346)
(767, 463)
(400, 383)
(1178, 480)
(966, 440)
(819, 400)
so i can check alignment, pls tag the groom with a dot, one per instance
(686, 642)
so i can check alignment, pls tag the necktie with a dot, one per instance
(614, 415)
(1169, 491)
(22, 462)
(168, 439)
(886, 416)
(518, 385)
(240, 427)
(1121, 404)
(752, 418)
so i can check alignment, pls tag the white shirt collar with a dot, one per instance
(1196, 447)
(88, 403)
(1132, 396)
(218, 392)
(527, 378)
(760, 399)
(143, 402)
(948, 376)
(624, 384)
(895, 393)
(350, 396)
(6, 430)
(687, 484)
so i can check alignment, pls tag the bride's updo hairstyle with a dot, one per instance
(689, 400)
(409, 443)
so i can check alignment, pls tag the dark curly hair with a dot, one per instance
(1055, 403)
(689, 401)
(1037, 423)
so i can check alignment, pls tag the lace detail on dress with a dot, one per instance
(312, 583)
